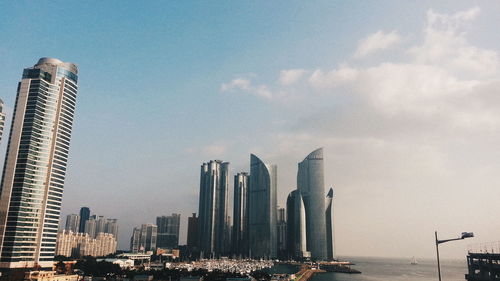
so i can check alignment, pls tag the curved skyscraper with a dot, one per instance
(240, 214)
(262, 209)
(310, 182)
(35, 164)
(213, 208)
(329, 225)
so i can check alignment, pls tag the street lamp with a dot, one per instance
(464, 235)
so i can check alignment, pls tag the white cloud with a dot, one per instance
(332, 78)
(376, 42)
(290, 76)
(237, 83)
(244, 85)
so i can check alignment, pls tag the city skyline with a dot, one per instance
(401, 96)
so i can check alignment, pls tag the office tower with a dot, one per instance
(213, 206)
(144, 238)
(71, 244)
(90, 227)
(111, 227)
(310, 182)
(192, 233)
(168, 231)
(329, 225)
(35, 164)
(296, 226)
(2, 119)
(281, 232)
(240, 214)
(84, 216)
(72, 222)
(262, 207)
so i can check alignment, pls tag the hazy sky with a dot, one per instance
(403, 96)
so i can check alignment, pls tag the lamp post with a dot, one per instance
(464, 235)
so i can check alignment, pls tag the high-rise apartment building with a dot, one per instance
(262, 209)
(72, 222)
(168, 231)
(192, 233)
(91, 227)
(213, 208)
(35, 164)
(144, 238)
(240, 214)
(71, 244)
(111, 227)
(310, 182)
(2, 119)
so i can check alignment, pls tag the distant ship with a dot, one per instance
(414, 261)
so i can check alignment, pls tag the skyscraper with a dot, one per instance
(168, 231)
(144, 238)
(296, 226)
(72, 222)
(214, 185)
(192, 233)
(329, 225)
(281, 233)
(2, 119)
(111, 227)
(84, 216)
(35, 164)
(91, 227)
(310, 182)
(240, 214)
(262, 207)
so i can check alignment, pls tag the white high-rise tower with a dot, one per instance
(35, 164)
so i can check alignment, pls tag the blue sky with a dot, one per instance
(164, 86)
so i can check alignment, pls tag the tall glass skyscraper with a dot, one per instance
(213, 208)
(84, 216)
(262, 209)
(311, 183)
(35, 164)
(240, 214)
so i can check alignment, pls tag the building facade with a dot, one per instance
(262, 208)
(168, 231)
(84, 216)
(35, 164)
(73, 244)
(310, 182)
(72, 222)
(213, 208)
(240, 215)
